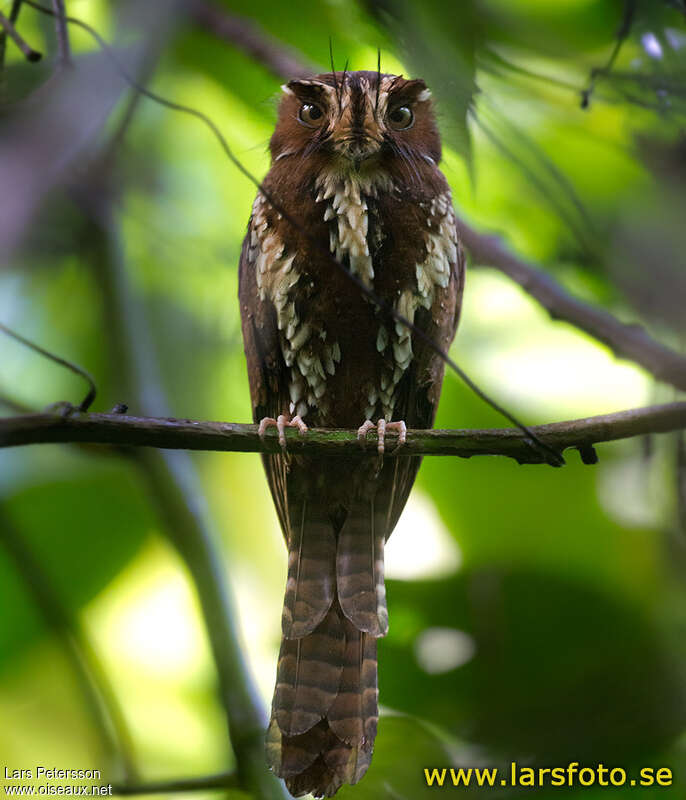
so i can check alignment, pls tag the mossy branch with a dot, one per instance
(185, 434)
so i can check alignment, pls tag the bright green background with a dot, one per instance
(569, 584)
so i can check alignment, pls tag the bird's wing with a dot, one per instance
(267, 372)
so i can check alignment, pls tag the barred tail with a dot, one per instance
(325, 706)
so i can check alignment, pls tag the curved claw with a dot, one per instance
(281, 423)
(401, 427)
(381, 427)
(363, 430)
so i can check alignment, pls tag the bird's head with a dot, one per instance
(357, 122)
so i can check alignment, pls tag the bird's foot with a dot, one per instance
(381, 427)
(282, 422)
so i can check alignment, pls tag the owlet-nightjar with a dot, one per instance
(355, 162)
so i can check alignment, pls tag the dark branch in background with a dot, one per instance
(116, 139)
(43, 140)
(90, 676)
(85, 404)
(625, 340)
(248, 37)
(9, 30)
(14, 16)
(125, 431)
(63, 48)
(622, 34)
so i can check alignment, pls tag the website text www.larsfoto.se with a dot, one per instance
(574, 774)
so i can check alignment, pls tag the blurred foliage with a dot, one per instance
(97, 522)
(571, 586)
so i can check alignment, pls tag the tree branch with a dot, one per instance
(14, 16)
(186, 434)
(9, 30)
(248, 37)
(622, 33)
(626, 340)
(63, 46)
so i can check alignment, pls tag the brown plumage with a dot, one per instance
(354, 161)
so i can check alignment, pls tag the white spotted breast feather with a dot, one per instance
(431, 274)
(307, 354)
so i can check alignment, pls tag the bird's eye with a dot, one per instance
(401, 118)
(311, 115)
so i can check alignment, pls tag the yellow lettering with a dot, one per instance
(557, 776)
(437, 775)
(461, 777)
(664, 776)
(486, 777)
(527, 777)
(618, 781)
(541, 772)
(588, 781)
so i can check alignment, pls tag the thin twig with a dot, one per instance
(87, 401)
(29, 53)
(222, 780)
(133, 101)
(490, 59)
(579, 227)
(88, 671)
(184, 434)
(63, 46)
(14, 16)
(622, 33)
